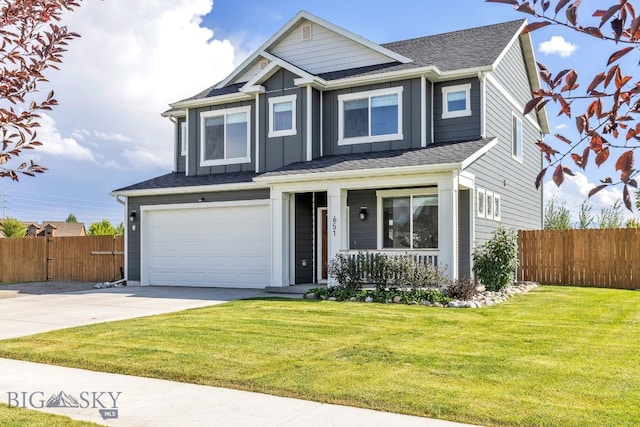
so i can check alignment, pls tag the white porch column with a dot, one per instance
(279, 238)
(336, 223)
(448, 229)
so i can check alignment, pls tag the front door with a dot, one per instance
(323, 246)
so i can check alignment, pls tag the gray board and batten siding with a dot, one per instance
(180, 159)
(362, 234)
(497, 171)
(135, 203)
(457, 128)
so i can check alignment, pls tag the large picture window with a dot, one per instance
(370, 116)
(410, 222)
(456, 101)
(225, 136)
(282, 116)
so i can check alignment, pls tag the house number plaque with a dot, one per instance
(334, 225)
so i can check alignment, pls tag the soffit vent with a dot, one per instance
(307, 34)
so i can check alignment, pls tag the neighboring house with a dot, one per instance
(323, 142)
(55, 229)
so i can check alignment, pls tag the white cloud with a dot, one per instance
(574, 190)
(557, 45)
(562, 126)
(54, 143)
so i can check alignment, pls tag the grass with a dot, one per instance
(20, 417)
(556, 356)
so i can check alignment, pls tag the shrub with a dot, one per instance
(463, 289)
(495, 262)
(345, 270)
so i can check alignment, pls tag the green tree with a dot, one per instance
(611, 217)
(603, 105)
(13, 228)
(585, 217)
(632, 223)
(104, 228)
(72, 219)
(556, 217)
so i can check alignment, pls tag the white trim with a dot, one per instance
(292, 240)
(516, 105)
(310, 123)
(446, 90)
(257, 136)
(489, 205)
(208, 101)
(183, 138)
(483, 104)
(497, 202)
(516, 138)
(481, 152)
(398, 90)
(293, 99)
(270, 70)
(321, 124)
(481, 203)
(433, 131)
(319, 278)
(423, 112)
(186, 158)
(224, 113)
(190, 190)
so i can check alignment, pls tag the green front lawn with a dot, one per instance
(20, 417)
(556, 356)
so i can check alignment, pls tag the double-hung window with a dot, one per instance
(409, 221)
(225, 136)
(456, 101)
(371, 116)
(282, 116)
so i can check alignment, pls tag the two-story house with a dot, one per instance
(322, 142)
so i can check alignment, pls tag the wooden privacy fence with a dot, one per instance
(66, 259)
(598, 258)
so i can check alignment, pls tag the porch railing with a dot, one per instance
(421, 256)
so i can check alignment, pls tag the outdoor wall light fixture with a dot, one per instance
(363, 213)
(201, 199)
(132, 216)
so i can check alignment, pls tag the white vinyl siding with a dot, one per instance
(516, 138)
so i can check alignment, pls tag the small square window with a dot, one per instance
(456, 101)
(481, 202)
(282, 116)
(516, 138)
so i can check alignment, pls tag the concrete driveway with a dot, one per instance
(42, 313)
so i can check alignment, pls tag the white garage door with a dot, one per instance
(221, 246)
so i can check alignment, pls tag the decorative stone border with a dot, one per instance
(487, 298)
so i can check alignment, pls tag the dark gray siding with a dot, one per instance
(464, 234)
(498, 172)
(411, 107)
(362, 234)
(304, 238)
(180, 159)
(135, 203)
(458, 128)
(279, 151)
(195, 133)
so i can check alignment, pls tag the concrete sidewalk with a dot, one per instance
(145, 401)
(158, 403)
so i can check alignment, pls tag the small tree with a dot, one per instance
(13, 228)
(495, 262)
(556, 217)
(585, 217)
(72, 219)
(632, 223)
(104, 228)
(611, 217)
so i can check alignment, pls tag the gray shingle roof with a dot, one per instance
(433, 155)
(456, 50)
(178, 179)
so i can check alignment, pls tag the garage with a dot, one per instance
(213, 245)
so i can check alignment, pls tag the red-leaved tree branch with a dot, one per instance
(607, 120)
(31, 42)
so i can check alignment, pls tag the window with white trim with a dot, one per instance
(225, 136)
(516, 137)
(456, 101)
(490, 206)
(409, 221)
(371, 116)
(282, 116)
(183, 138)
(481, 202)
(497, 207)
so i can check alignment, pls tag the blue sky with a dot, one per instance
(136, 57)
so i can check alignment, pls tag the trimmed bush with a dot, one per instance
(495, 262)
(463, 290)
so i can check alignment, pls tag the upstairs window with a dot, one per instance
(282, 116)
(370, 116)
(225, 136)
(456, 101)
(516, 138)
(183, 138)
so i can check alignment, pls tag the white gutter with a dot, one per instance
(189, 190)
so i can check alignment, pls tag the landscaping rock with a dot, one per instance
(368, 299)
(332, 299)
(310, 295)
(397, 299)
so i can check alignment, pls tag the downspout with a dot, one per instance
(483, 103)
